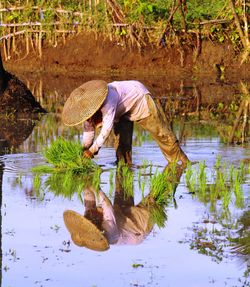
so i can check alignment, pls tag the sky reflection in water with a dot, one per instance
(36, 246)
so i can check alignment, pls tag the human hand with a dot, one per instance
(88, 154)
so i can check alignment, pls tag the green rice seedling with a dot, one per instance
(220, 181)
(213, 194)
(231, 173)
(242, 172)
(192, 184)
(218, 162)
(126, 176)
(159, 188)
(226, 199)
(43, 169)
(64, 155)
(189, 173)
(202, 177)
(237, 189)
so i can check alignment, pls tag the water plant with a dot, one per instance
(158, 215)
(188, 174)
(237, 189)
(218, 162)
(65, 155)
(159, 188)
(111, 183)
(69, 172)
(225, 187)
(125, 174)
(202, 177)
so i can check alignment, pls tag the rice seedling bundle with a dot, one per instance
(69, 172)
(64, 155)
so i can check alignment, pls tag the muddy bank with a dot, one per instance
(16, 98)
(90, 54)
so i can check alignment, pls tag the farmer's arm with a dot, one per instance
(88, 134)
(108, 116)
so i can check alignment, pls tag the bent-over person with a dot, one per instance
(118, 105)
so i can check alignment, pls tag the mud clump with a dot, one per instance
(15, 98)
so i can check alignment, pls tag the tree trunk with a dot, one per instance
(238, 26)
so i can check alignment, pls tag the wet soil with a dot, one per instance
(88, 54)
(17, 100)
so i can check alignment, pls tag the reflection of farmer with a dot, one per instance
(118, 105)
(120, 223)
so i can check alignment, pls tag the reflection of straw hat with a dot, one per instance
(84, 101)
(83, 232)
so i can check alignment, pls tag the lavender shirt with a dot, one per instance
(124, 98)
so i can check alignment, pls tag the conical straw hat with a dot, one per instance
(84, 101)
(83, 232)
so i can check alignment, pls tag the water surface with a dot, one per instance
(36, 246)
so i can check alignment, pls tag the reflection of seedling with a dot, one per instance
(158, 215)
(68, 183)
(96, 178)
(226, 199)
(111, 184)
(37, 182)
(143, 183)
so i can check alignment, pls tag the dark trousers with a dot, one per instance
(160, 131)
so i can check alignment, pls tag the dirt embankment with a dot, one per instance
(87, 53)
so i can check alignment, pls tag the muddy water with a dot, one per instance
(191, 248)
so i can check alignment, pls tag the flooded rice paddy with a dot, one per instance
(191, 240)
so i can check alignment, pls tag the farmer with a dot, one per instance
(119, 104)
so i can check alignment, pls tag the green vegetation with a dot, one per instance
(65, 155)
(222, 183)
(132, 22)
(69, 172)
